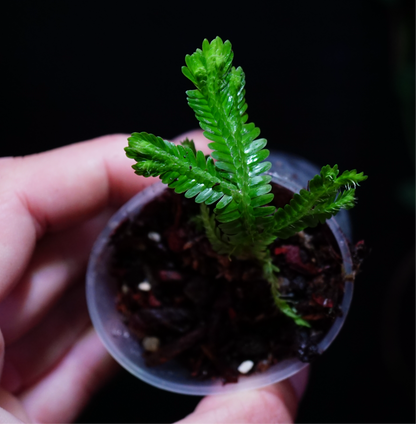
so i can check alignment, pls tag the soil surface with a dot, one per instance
(184, 301)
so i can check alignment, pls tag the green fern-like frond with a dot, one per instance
(269, 273)
(179, 167)
(219, 241)
(322, 201)
(285, 308)
(190, 144)
(220, 107)
(243, 223)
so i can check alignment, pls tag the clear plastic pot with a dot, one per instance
(288, 171)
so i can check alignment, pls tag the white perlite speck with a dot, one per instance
(245, 367)
(144, 286)
(154, 236)
(125, 289)
(151, 344)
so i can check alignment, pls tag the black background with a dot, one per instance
(331, 81)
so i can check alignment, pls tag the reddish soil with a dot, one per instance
(211, 313)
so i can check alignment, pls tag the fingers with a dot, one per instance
(11, 410)
(56, 190)
(34, 354)
(64, 186)
(59, 260)
(7, 417)
(272, 404)
(53, 191)
(61, 395)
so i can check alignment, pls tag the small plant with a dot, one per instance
(242, 225)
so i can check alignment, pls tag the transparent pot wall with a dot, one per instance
(288, 171)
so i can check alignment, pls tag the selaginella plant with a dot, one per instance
(242, 224)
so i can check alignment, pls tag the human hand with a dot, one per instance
(52, 207)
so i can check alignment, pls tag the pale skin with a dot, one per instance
(52, 207)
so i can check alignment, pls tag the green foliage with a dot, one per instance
(179, 167)
(218, 241)
(232, 177)
(323, 200)
(220, 107)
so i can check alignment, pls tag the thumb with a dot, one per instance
(273, 404)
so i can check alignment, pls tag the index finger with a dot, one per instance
(57, 189)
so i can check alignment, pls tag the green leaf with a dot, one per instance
(190, 144)
(228, 217)
(255, 146)
(194, 190)
(220, 107)
(215, 196)
(282, 304)
(259, 190)
(200, 159)
(211, 167)
(264, 211)
(224, 202)
(258, 168)
(231, 227)
(262, 200)
(259, 180)
(226, 167)
(324, 199)
(258, 156)
(218, 242)
(204, 195)
(176, 165)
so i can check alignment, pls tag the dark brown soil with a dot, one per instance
(211, 313)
